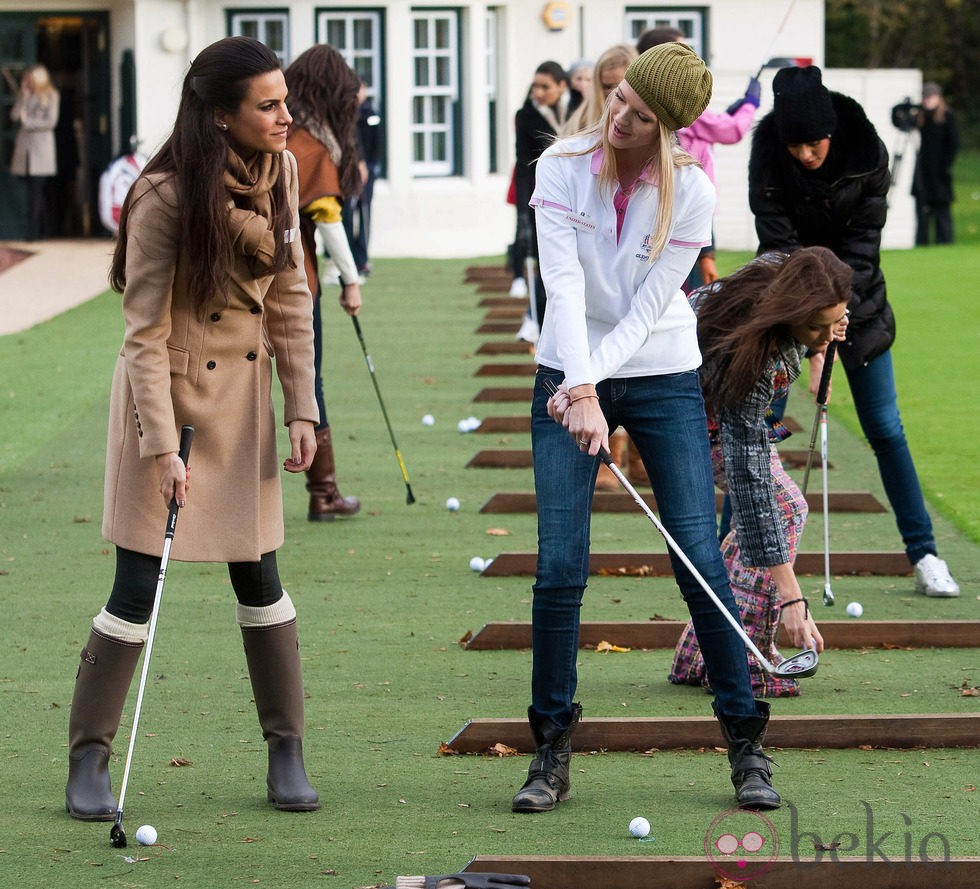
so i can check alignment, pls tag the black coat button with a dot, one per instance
(212, 365)
(251, 356)
(216, 316)
(255, 310)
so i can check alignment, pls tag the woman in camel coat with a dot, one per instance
(211, 271)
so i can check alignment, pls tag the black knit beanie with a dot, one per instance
(802, 107)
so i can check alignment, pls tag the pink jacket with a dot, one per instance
(711, 128)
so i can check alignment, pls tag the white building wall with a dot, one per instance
(467, 215)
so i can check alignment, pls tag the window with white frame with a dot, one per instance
(435, 91)
(357, 36)
(690, 22)
(492, 60)
(269, 26)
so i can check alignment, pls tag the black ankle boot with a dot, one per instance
(751, 770)
(547, 778)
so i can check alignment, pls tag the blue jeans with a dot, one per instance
(876, 403)
(664, 416)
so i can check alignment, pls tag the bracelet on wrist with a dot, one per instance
(806, 605)
(580, 397)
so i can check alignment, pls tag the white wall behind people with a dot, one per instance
(466, 214)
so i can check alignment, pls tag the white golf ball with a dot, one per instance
(463, 426)
(477, 564)
(428, 420)
(452, 504)
(854, 609)
(146, 835)
(640, 827)
(474, 423)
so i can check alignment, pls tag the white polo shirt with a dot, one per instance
(611, 312)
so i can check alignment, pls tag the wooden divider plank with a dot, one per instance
(619, 502)
(523, 369)
(871, 563)
(838, 634)
(835, 731)
(510, 327)
(809, 870)
(506, 347)
(493, 425)
(505, 393)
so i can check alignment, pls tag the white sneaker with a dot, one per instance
(932, 577)
(529, 331)
(518, 288)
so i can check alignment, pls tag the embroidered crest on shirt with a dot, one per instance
(643, 254)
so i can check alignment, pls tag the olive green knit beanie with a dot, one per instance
(673, 82)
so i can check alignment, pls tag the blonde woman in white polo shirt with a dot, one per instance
(621, 214)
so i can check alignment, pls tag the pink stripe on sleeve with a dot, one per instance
(548, 205)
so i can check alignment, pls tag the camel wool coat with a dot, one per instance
(212, 371)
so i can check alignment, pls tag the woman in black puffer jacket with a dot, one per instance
(818, 176)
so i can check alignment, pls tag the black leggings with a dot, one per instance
(256, 584)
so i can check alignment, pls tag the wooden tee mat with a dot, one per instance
(652, 733)
(642, 635)
(682, 872)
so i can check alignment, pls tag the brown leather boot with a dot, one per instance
(751, 770)
(104, 676)
(547, 777)
(277, 684)
(321, 481)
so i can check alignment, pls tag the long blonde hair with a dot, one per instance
(42, 88)
(665, 163)
(588, 113)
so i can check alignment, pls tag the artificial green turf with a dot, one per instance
(383, 599)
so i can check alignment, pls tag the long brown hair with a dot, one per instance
(743, 317)
(323, 90)
(196, 155)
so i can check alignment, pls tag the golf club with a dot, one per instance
(798, 666)
(410, 497)
(117, 836)
(822, 389)
(828, 593)
(775, 37)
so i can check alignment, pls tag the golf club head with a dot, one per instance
(828, 596)
(799, 666)
(117, 836)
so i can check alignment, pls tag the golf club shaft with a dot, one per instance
(775, 37)
(410, 497)
(616, 471)
(822, 389)
(828, 595)
(186, 437)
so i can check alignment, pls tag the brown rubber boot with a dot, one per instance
(277, 684)
(326, 501)
(547, 778)
(104, 676)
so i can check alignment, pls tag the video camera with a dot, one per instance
(904, 115)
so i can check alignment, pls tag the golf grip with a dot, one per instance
(828, 369)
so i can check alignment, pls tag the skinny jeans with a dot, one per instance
(664, 416)
(876, 403)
